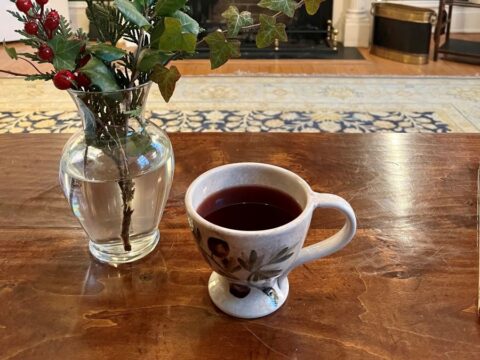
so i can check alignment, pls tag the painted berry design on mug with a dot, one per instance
(216, 254)
(239, 291)
(218, 247)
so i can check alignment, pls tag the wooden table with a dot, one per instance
(405, 288)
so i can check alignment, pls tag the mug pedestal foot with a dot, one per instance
(246, 302)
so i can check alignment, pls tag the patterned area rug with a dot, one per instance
(270, 103)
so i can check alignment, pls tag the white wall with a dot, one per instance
(8, 24)
(465, 20)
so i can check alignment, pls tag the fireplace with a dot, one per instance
(309, 36)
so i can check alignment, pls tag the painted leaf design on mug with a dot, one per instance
(231, 265)
(259, 270)
(281, 256)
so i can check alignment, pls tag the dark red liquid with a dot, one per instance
(249, 208)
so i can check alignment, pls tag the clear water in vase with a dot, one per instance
(93, 191)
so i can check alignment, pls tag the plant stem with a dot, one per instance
(94, 20)
(136, 73)
(128, 188)
(13, 73)
(32, 64)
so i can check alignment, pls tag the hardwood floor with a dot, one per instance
(371, 65)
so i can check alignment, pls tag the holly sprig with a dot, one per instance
(162, 30)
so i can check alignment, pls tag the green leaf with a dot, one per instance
(155, 35)
(139, 5)
(138, 143)
(168, 7)
(100, 74)
(236, 20)
(269, 31)
(130, 12)
(221, 49)
(173, 39)
(65, 52)
(312, 6)
(107, 52)
(149, 58)
(288, 7)
(11, 52)
(166, 80)
(189, 25)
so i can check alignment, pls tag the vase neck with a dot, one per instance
(111, 114)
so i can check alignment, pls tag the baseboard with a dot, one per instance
(465, 20)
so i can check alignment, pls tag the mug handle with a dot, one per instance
(335, 242)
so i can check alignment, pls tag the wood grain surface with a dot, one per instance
(405, 288)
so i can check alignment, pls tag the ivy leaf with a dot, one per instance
(149, 58)
(221, 49)
(173, 39)
(166, 80)
(312, 6)
(269, 31)
(288, 7)
(100, 74)
(236, 20)
(189, 25)
(11, 52)
(130, 12)
(168, 7)
(155, 35)
(65, 52)
(106, 52)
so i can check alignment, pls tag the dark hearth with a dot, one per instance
(307, 34)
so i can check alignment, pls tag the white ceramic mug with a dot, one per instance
(251, 267)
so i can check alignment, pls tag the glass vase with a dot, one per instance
(116, 174)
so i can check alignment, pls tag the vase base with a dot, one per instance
(247, 302)
(115, 254)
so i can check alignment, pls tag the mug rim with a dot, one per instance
(191, 211)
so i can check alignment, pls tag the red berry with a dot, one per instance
(31, 27)
(45, 53)
(42, 2)
(83, 80)
(53, 14)
(24, 5)
(52, 20)
(64, 79)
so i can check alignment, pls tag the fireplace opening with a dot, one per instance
(308, 36)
